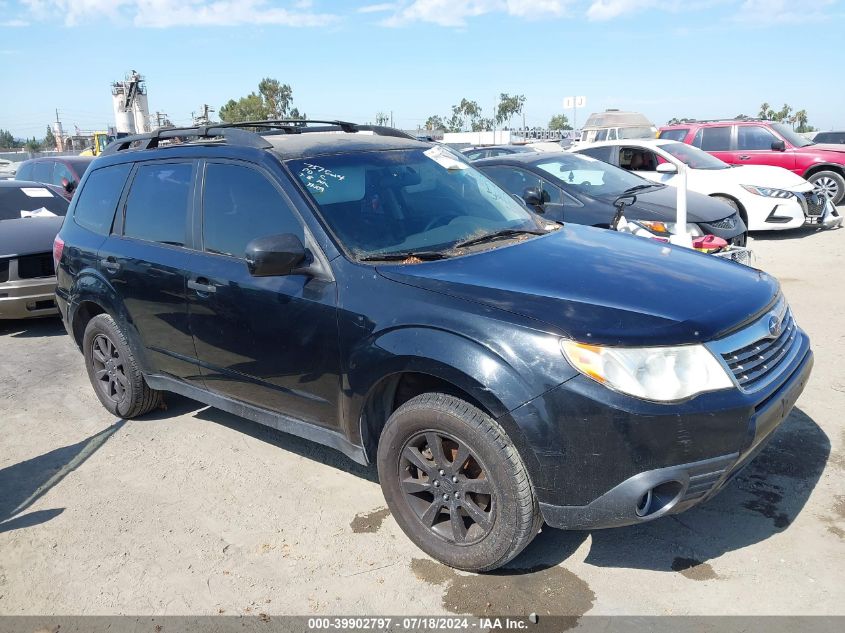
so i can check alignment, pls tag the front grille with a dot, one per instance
(727, 223)
(752, 364)
(704, 476)
(4, 271)
(32, 266)
(814, 204)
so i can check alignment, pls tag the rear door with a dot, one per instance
(269, 341)
(145, 259)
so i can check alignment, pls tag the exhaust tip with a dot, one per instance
(658, 499)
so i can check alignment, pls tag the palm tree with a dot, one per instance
(765, 111)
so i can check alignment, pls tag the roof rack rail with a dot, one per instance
(234, 134)
(722, 120)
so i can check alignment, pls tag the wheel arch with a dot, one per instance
(817, 167)
(743, 213)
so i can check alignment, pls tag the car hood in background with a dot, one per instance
(660, 204)
(25, 236)
(762, 176)
(836, 148)
(600, 286)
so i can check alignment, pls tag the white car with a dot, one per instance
(767, 198)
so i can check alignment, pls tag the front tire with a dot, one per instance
(455, 483)
(113, 371)
(830, 184)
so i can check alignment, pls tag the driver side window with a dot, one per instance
(516, 180)
(637, 159)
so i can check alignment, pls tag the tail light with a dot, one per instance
(58, 247)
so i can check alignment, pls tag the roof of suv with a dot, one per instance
(293, 146)
(718, 122)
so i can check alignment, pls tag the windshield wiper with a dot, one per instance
(635, 188)
(398, 257)
(498, 235)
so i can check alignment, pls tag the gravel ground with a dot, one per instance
(194, 511)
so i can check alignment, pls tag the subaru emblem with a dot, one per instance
(774, 326)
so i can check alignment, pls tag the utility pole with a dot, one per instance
(203, 119)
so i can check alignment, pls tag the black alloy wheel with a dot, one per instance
(109, 373)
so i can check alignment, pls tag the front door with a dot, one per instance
(269, 341)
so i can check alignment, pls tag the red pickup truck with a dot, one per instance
(754, 142)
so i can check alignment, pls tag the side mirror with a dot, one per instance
(667, 168)
(274, 255)
(533, 197)
(779, 146)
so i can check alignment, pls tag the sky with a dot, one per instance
(416, 58)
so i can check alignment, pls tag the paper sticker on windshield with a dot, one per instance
(318, 178)
(444, 159)
(37, 192)
(38, 213)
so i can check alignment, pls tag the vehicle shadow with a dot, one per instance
(177, 405)
(760, 502)
(32, 328)
(22, 484)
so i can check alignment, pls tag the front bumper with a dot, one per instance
(673, 489)
(26, 298)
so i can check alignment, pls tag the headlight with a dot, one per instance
(665, 229)
(768, 192)
(662, 374)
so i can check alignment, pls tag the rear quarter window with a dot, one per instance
(599, 153)
(98, 198)
(24, 171)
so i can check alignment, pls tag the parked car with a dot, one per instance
(753, 142)
(30, 216)
(574, 188)
(60, 171)
(486, 151)
(612, 124)
(382, 296)
(765, 197)
(7, 168)
(829, 137)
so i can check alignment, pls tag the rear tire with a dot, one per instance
(113, 371)
(831, 184)
(455, 483)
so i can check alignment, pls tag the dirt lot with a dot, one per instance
(193, 511)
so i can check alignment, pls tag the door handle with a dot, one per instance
(744, 157)
(202, 285)
(110, 264)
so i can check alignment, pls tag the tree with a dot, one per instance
(32, 146)
(8, 141)
(465, 112)
(783, 115)
(800, 119)
(272, 101)
(382, 118)
(766, 112)
(559, 122)
(50, 139)
(434, 122)
(508, 107)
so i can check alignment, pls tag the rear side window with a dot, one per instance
(157, 204)
(600, 153)
(98, 198)
(61, 171)
(714, 139)
(240, 204)
(675, 135)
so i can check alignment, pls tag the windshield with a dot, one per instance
(22, 202)
(791, 136)
(397, 201)
(590, 176)
(694, 157)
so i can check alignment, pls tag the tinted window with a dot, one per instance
(516, 180)
(829, 137)
(599, 153)
(754, 137)
(476, 154)
(43, 171)
(60, 170)
(24, 171)
(715, 139)
(674, 135)
(98, 198)
(157, 205)
(240, 204)
(15, 201)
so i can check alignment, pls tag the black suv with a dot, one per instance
(381, 296)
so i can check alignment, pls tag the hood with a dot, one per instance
(601, 286)
(660, 204)
(766, 176)
(26, 236)
(836, 148)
